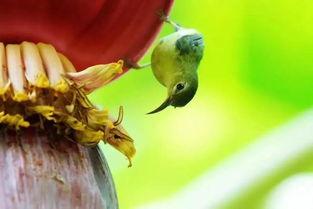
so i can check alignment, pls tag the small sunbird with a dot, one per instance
(174, 63)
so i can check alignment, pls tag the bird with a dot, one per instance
(174, 62)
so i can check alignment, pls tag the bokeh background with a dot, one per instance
(256, 74)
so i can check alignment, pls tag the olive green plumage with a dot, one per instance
(174, 63)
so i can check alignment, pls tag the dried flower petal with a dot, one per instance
(44, 110)
(16, 120)
(89, 137)
(96, 76)
(98, 117)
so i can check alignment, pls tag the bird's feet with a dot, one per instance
(129, 64)
(166, 19)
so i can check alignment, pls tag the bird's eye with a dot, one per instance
(180, 86)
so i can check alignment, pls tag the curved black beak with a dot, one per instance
(165, 104)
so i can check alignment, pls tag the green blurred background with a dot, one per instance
(255, 75)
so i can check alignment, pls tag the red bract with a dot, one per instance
(87, 32)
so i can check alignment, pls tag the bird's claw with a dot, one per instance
(130, 64)
(165, 18)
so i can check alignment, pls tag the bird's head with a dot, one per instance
(180, 92)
